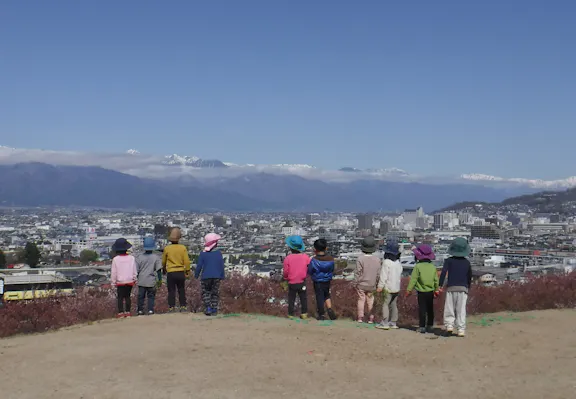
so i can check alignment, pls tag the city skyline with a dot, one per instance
(435, 89)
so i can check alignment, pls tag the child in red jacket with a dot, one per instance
(295, 272)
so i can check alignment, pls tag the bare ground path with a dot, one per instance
(532, 355)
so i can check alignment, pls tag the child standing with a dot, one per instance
(176, 264)
(210, 269)
(425, 279)
(366, 278)
(459, 280)
(149, 268)
(295, 272)
(123, 275)
(390, 278)
(321, 270)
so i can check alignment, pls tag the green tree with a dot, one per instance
(87, 256)
(32, 254)
(2, 260)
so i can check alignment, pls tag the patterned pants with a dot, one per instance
(211, 293)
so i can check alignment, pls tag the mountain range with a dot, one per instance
(135, 180)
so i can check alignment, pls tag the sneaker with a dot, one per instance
(429, 329)
(127, 315)
(421, 330)
(461, 333)
(172, 310)
(332, 314)
(360, 321)
(150, 312)
(140, 313)
(291, 317)
(321, 318)
(304, 316)
(383, 326)
(393, 326)
(183, 309)
(371, 319)
(208, 312)
(120, 316)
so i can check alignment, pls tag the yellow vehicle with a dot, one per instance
(34, 286)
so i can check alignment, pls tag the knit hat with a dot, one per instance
(424, 251)
(210, 241)
(121, 245)
(149, 244)
(459, 247)
(175, 234)
(296, 243)
(368, 245)
(392, 248)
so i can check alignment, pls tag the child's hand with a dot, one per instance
(379, 290)
(436, 294)
(407, 294)
(187, 275)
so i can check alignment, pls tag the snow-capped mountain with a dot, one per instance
(132, 151)
(380, 172)
(179, 160)
(534, 183)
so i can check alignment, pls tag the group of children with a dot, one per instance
(145, 271)
(371, 276)
(374, 276)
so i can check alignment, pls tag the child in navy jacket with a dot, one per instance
(321, 270)
(210, 269)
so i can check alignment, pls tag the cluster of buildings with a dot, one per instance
(254, 243)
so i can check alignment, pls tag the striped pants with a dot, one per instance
(211, 293)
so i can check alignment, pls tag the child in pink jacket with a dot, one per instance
(295, 272)
(124, 275)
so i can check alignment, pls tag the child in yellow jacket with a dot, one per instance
(176, 265)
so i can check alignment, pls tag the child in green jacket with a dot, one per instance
(425, 279)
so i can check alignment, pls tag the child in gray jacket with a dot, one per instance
(149, 268)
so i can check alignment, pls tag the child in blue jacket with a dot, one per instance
(321, 270)
(210, 269)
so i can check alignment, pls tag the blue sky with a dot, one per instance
(442, 87)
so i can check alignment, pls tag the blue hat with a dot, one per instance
(392, 248)
(122, 245)
(149, 244)
(295, 242)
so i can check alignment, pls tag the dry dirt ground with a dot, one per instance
(528, 355)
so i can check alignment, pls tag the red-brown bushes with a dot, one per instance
(254, 295)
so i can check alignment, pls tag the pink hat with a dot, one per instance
(210, 241)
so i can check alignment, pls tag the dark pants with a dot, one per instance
(175, 281)
(426, 308)
(322, 291)
(124, 301)
(144, 292)
(211, 293)
(300, 290)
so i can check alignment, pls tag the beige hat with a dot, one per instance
(175, 234)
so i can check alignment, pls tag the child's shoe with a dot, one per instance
(371, 319)
(430, 329)
(291, 317)
(393, 326)
(208, 312)
(150, 312)
(127, 315)
(383, 326)
(360, 320)
(183, 309)
(140, 313)
(421, 330)
(321, 318)
(332, 314)
(120, 316)
(304, 316)
(172, 310)
(449, 330)
(461, 333)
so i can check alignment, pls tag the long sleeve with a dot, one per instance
(436, 281)
(383, 276)
(286, 269)
(444, 271)
(186, 261)
(134, 270)
(164, 258)
(138, 266)
(199, 266)
(114, 273)
(413, 278)
(359, 270)
(469, 276)
(158, 264)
